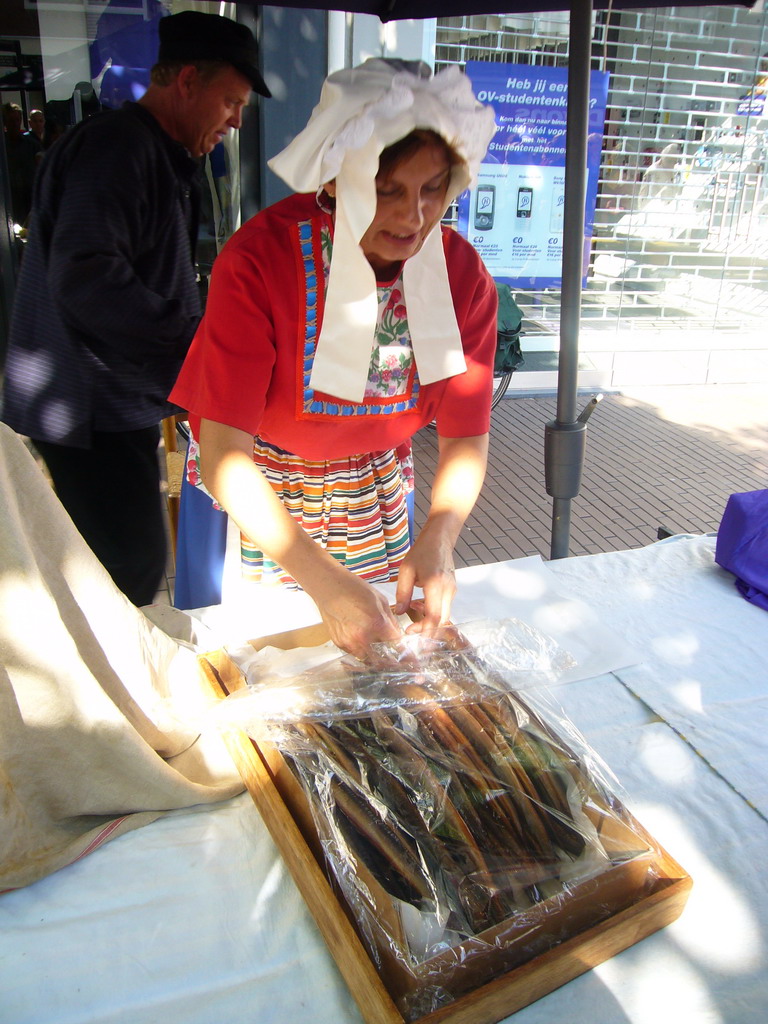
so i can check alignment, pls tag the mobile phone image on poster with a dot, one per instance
(514, 214)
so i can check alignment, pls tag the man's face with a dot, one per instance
(210, 107)
(12, 121)
(37, 123)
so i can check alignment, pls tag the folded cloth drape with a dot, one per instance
(99, 709)
(742, 544)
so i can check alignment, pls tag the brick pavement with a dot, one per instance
(666, 457)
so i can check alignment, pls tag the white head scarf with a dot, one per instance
(361, 111)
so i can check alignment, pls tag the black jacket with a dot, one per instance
(107, 301)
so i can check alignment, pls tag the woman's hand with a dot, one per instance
(429, 563)
(355, 613)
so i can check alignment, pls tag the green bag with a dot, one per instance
(509, 321)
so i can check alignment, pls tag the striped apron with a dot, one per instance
(353, 507)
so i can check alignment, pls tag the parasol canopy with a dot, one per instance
(565, 436)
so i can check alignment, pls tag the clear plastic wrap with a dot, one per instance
(465, 831)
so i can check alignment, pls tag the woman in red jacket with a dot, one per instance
(339, 322)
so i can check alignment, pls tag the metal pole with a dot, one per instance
(565, 437)
(9, 255)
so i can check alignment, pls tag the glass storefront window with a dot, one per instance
(64, 60)
(681, 222)
(680, 242)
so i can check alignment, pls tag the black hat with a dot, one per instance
(192, 36)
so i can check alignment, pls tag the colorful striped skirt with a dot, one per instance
(354, 507)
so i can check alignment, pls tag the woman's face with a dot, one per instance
(409, 202)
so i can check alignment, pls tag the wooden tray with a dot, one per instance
(492, 986)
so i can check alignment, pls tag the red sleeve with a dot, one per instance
(228, 369)
(465, 407)
(241, 369)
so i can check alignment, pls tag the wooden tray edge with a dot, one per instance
(492, 1001)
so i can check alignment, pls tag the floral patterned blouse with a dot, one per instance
(392, 355)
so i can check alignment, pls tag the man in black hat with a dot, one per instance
(107, 299)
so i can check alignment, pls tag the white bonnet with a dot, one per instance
(363, 110)
(387, 99)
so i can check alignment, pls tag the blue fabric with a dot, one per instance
(742, 544)
(200, 548)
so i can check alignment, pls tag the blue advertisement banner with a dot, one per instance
(514, 215)
(753, 104)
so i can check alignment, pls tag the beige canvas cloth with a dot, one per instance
(100, 711)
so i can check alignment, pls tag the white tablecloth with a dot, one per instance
(194, 919)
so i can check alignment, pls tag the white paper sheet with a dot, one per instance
(524, 588)
(705, 648)
(194, 920)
